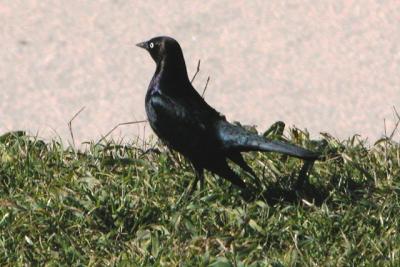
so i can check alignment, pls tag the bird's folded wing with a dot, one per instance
(178, 116)
(234, 137)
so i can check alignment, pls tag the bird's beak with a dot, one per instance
(143, 45)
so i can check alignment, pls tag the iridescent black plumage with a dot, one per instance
(186, 123)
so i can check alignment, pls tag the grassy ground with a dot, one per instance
(112, 204)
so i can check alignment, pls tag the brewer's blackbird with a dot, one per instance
(183, 120)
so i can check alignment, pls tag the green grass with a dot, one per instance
(113, 204)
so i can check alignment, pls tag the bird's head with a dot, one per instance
(161, 48)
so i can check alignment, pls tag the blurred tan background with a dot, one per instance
(328, 66)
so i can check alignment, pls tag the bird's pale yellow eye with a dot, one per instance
(151, 45)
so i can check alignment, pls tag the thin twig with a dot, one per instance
(384, 127)
(70, 125)
(397, 123)
(197, 71)
(205, 87)
(395, 111)
(119, 124)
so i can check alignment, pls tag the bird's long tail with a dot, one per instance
(237, 138)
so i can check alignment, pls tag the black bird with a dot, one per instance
(183, 120)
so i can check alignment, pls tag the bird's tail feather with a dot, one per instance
(254, 143)
(238, 138)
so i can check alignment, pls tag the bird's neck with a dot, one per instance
(172, 71)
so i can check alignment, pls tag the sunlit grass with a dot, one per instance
(112, 204)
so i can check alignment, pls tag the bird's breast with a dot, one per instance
(154, 90)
